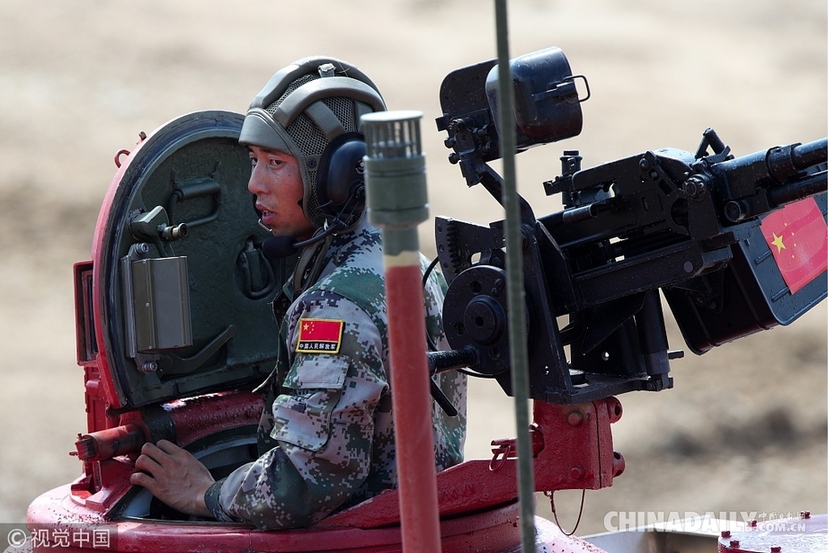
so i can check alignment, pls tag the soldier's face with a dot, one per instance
(277, 184)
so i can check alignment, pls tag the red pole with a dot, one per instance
(412, 409)
(397, 203)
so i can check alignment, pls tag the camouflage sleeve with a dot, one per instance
(323, 421)
(449, 432)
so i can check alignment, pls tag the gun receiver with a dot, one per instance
(695, 226)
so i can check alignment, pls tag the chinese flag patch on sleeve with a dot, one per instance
(798, 238)
(319, 336)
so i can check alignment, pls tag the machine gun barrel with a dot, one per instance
(759, 182)
(804, 156)
(785, 162)
(797, 191)
(811, 153)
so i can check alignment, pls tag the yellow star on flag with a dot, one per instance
(777, 241)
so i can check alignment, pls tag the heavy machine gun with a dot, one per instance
(735, 244)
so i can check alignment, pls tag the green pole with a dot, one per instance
(514, 271)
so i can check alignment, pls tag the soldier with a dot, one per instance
(326, 438)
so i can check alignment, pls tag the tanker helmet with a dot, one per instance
(302, 110)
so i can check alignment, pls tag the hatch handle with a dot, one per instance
(196, 188)
(187, 365)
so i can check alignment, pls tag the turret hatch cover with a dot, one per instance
(181, 291)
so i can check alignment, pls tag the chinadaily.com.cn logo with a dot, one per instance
(708, 522)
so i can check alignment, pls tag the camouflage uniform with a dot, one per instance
(331, 422)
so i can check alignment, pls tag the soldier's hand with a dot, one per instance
(174, 476)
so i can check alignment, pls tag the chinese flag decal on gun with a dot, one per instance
(798, 237)
(319, 336)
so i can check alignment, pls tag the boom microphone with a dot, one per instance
(278, 247)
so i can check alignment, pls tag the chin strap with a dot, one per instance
(309, 265)
(307, 269)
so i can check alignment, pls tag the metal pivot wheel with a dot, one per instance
(481, 321)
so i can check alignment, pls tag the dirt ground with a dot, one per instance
(745, 427)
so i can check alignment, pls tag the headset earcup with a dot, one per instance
(340, 179)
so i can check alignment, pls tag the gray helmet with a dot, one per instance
(303, 108)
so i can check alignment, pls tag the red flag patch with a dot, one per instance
(319, 336)
(798, 238)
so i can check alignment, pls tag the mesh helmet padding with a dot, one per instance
(303, 108)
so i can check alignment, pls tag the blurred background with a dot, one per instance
(745, 427)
